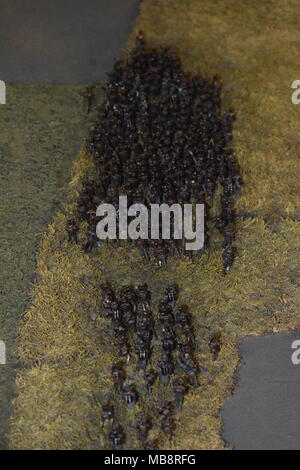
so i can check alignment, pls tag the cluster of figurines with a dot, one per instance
(160, 137)
(138, 335)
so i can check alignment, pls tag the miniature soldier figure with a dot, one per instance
(142, 245)
(180, 388)
(168, 342)
(89, 97)
(127, 313)
(124, 348)
(192, 375)
(107, 412)
(143, 295)
(151, 444)
(114, 313)
(119, 330)
(166, 409)
(183, 317)
(91, 237)
(166, 316)
(168, 426)
(166, 369)
(130, 395)
(172, 294)
(165, 307)
(150, 377)
(117, 438)
(145, 326)
(143, 352)
(140, 41)
(188, 332)
(143, 426)
(128, 294)
(228, 256)
(215, 346)
(118, 376)
(173, 249)
(72, 230)
(108, 299)
(161, 256)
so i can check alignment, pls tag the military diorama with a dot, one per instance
(132, 343)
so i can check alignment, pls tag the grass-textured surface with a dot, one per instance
(41, 128)
(252, 45)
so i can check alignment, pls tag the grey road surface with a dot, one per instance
(264, 412)
(62, 41)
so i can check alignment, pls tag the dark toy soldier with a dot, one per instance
(128, 294)
(107, 412)
(128, 317)
(168, 342)
(166, 369)
(143, 352)
(166, 409)
(228, 256)
(192, 376)
(165, 307)
(183, 317)
(160, 253)
(145, 327)
(117, 438)
(180, 388)
(114, 312)
(118, 376)
(143, 427)
(124, 348)
(150, 377)
(130, 395)
(215, 346)
(143, 246)
(89, 97)
(187, 330)
(166, 316)
(168, 426)
(119, 329)
(72, 230)
(91, 238)
(171, 294)
(185, 356)
(151, 444)
(144, 295)
(173, 248)
(140, 41)
(108, 299)
(107, 291)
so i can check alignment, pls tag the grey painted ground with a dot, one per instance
(264, 412)
(62, 41)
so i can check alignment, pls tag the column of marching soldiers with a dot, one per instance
(131, 317)
(160, 137)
